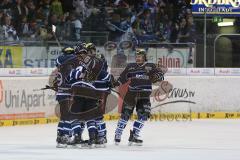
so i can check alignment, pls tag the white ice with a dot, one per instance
(191, 140)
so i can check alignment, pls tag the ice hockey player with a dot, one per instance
(76, 74)
(104, 77)
(91, 48)
(80, 103)
(95, 80)
(64, 63)
(141, 76)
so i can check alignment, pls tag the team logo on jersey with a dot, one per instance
(140, 76)
(148, 69)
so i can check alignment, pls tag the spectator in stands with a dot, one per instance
(56, 8)
(168, 31)
(97, 20)
(68, 28)
(33, 32)
(43, 31)
(6, 4)
(45, 8)
(63, 27)
(161, 23)
(1, 25)
(25, 29)
(31, 11)
(161, 15)
(147, 25)
(121, 4)
(137, 28)
(191, 29)
(10, 33)
(19, 10)
(53, 20)
(40, 16)
(174, 32)
(1, 17)
(137, 4)
(76, 27)
(126, 23)
(129, 35)
(116, 20)
(148, 20)
(151, 5)
(191, 38)
(80, 9)
(183, 35)
(113, 26)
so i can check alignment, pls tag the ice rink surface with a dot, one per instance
(191, 140)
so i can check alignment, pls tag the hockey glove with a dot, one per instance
(156, 77)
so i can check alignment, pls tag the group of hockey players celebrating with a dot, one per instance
(83, 83)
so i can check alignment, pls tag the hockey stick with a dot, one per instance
(45, 88)
(54, 34)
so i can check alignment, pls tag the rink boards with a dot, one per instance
(176, 117)
(192, 97)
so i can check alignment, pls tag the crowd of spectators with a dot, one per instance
(138, 20)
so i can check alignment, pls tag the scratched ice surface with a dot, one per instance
(192, 140)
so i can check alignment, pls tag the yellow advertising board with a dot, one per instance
(11, 56)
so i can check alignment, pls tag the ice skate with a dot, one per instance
(92, 140)
(105, 140)
(70, 141)
(78, 141)
(61, 142)
(84, 144)
(91, 143)
(133, 140)
(101, 142)
(117, 139)
(61, 145)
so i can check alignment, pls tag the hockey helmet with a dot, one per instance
(90, 46)
(81, 52)
(68, 50)
(79, 47)
(142, 52)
